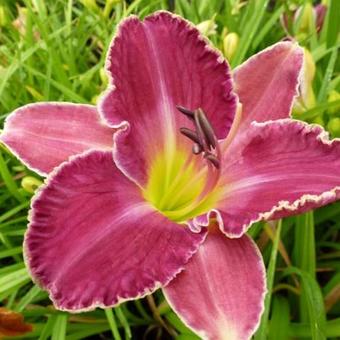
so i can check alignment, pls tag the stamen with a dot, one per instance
(185, 111)
(199, 131)
(213, 159)
(197, 149)
(207, 129)
(190, 134)
(193, 186)
(204, 136)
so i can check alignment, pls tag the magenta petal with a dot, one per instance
(267, 83)
(155, 65)
(220, 293)
(93, 240)
(43, 135)
(278, 169)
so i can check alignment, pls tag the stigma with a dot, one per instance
(203, 136)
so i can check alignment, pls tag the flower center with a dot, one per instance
(183, 185)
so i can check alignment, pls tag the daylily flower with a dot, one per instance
(188, 175)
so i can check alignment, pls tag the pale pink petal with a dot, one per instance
(93, 240)
(155, 65)
(267, 83)
(43, 135)
(278, 169)
(220, 293)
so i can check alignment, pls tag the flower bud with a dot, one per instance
(306, 98)
(230, 44)
(333, 127)
(309, 65)
(30, 184)
(304, 18)
(4, 19)
(320, 13)
(207, 27)
(332, 97)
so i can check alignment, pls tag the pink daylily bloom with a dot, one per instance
(188, 175)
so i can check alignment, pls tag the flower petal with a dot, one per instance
(267, 83)
(278, 169)
(155, 65)
(220, 293)
(43, 135)
(93, 241)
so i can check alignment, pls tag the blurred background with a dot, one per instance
(54, 50)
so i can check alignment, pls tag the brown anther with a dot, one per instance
(199, 131)
(212, 159)
(187, 112)
(203, 136)
(197, 149)
(190, 134)
(207, 129)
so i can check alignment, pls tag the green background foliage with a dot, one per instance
(57, 52)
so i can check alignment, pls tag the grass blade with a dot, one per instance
(113, 325)
(261, 333)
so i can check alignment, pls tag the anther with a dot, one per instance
(190, 134)
(197, 149)
(199, 131)
(207, 129)
(185, 111)
(213, 160)
(203, 136)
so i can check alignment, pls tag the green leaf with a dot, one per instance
(122, 319)
(9, 181)
(279, 322)
(113, 325)
(28, 297)
(261, 333)
(13, 279)
(59, 327)
(314, 302)
(332, 329)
